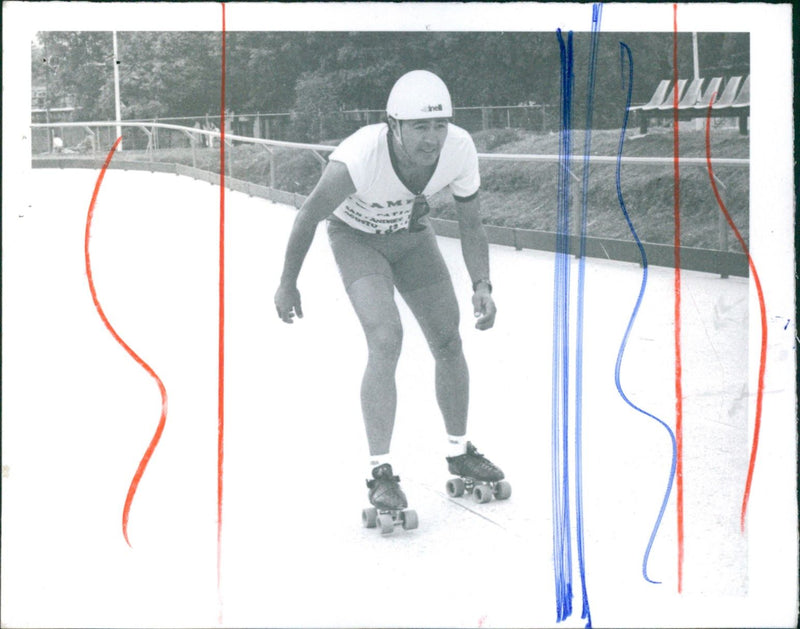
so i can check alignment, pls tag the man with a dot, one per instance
(373, 192)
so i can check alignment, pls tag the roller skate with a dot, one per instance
(477, 475)
(388, 503)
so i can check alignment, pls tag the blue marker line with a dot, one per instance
(625, 50)
(562, 547)
(586, 612)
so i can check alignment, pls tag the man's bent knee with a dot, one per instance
(385, 340)
(447, 348)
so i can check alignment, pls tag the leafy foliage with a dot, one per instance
(178, 73)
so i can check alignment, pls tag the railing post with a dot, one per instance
(272, 156)
(193, 144)
(149, 134)
(92, 140)
(574, 210)
(575, 219)
(230, 158)
(722, 224)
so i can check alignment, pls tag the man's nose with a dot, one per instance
(430, 138)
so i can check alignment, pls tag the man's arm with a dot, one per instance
(475, 249)
(334, 186)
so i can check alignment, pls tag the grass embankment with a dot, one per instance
(524, 195)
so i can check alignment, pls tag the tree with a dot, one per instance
(170, 74)
(179, 73)
(78, 64)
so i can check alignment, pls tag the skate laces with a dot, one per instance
(382, 473)
(384, 489)
(473, 451)
(473, 463)
(470, 454)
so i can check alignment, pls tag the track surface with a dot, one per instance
(78, 414)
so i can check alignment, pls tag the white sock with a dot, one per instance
(375, 460)
(456, 445)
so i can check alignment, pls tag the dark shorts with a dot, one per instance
(410, 260)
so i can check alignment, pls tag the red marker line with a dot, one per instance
(677, 288)
(762, 365)
(162, 421)
(221, 343)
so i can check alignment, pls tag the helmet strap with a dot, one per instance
(398, 135)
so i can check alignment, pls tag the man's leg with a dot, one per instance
(436, 309)
(373, 299)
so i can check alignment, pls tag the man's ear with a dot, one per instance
(394, 126)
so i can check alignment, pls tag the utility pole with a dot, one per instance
(698, 122)
(47, 65)
(116, 88)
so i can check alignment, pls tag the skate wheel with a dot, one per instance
(369, 517)
(410, 519)
(502, 490)
(482, 493)
(385, 523)
(455, 487)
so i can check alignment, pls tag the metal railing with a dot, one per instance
(718, 260)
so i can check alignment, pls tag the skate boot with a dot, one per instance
(476, 475)
(388, 502)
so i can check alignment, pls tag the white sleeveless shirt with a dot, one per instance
(381, 203)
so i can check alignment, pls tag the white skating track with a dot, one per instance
(78, 413)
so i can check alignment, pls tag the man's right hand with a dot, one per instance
(287, 303)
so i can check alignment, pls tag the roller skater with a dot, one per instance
(374, 194)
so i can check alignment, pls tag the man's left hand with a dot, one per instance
(484, 307)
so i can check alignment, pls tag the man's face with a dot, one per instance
(423, 139)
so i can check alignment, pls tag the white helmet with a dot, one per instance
(417, 95)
